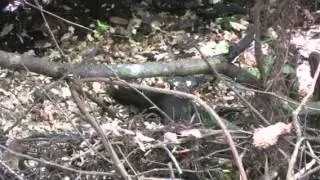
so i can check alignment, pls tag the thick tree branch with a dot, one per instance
(126, 71)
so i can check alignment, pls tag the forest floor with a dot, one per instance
(43, 123)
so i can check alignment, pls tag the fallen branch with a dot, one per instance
(183, 67)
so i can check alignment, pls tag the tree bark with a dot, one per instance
(182, 67)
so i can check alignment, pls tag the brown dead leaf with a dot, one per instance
(268, 136)
(248, 59)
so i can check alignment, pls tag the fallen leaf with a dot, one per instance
(268, 136)
(237, 26)
(191, 132)
(170, 137)
(6, 30)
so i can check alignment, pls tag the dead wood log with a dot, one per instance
(182, 67)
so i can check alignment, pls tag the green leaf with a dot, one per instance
(225, 22)
(255, 72)
(232, 23)
(287, 69)
(222, 47)
(269, 62)
(208, 122)
(102, 26)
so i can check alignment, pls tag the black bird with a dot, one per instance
(176, 108)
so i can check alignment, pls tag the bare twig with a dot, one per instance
(216, 73)
(59, 17)
(266, 168)
(48, 27)
(290, 172)
(243, 44)
(203, 104)
(105, 141)
(174, 160)
(173, 169)
(308, 107)
(308, 166)
(308, 173)
(295, 113)
(99, 102)
(75, 127)
(172, 176)
(236, 155)
(11, 170)
(43, 89)
(54, 164)
(248, 104)
(148, 99)
(141, 94)
(126, 160)
(258, 7)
